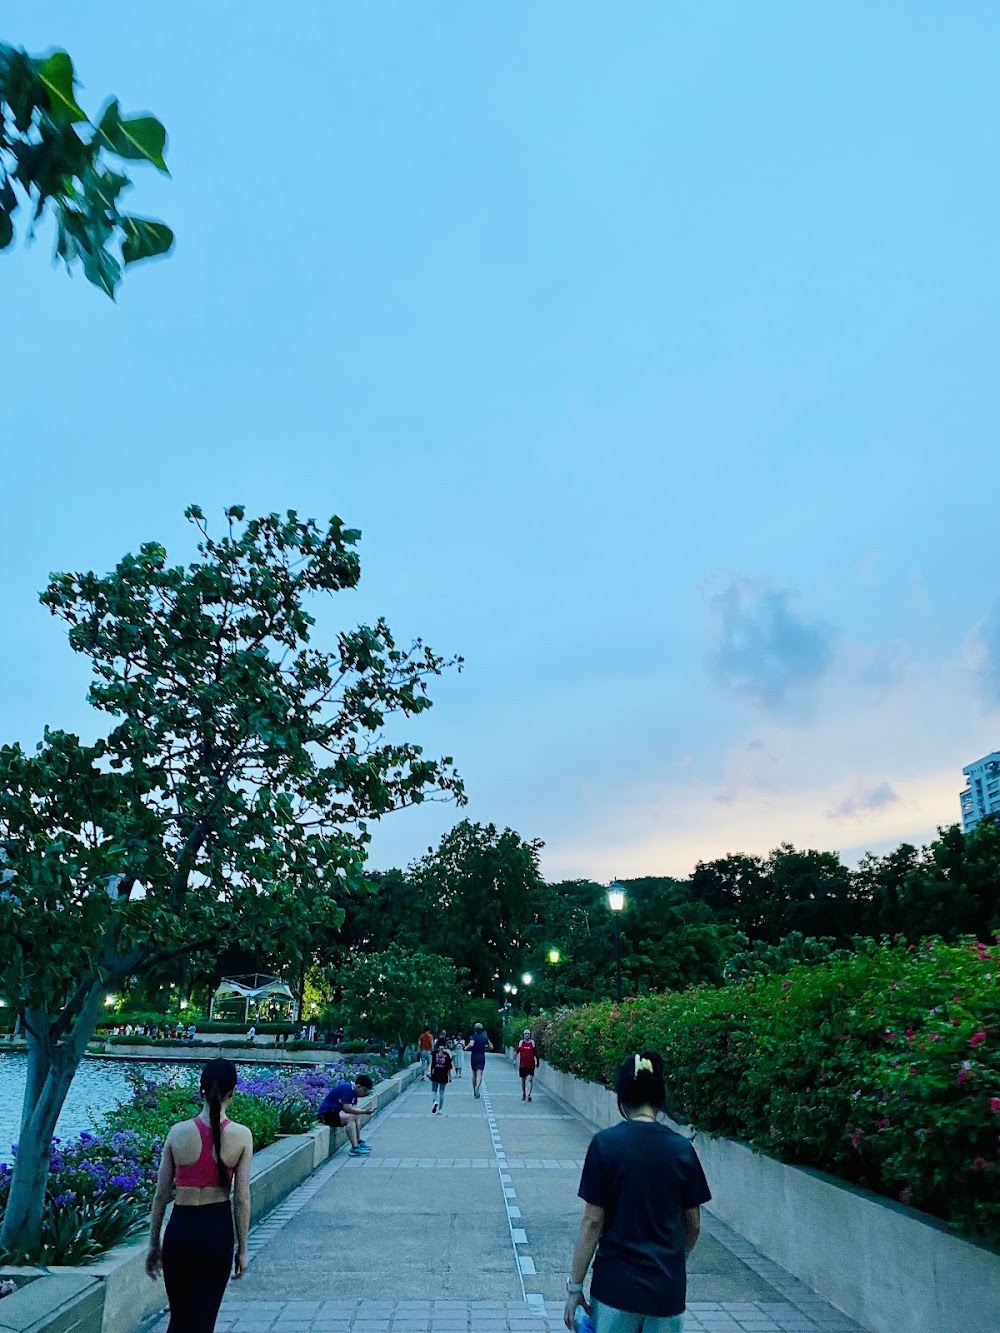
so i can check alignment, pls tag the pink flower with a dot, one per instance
(978, 1038)
(786, 985)
(995, 1105)
(910, 1034)
(905, 1195)
(856, 1138)
(962, 1076)
(981, 1164)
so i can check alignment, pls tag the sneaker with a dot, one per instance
(524, 1097)
(359, 1152)
(529, 1096)
(434, 1109)
(362, 1147)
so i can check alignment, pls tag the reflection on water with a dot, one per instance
(98, 1086)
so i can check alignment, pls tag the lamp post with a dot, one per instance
(526, 980)
(554, 957)
(616, 901)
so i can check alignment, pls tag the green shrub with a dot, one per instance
(882, 1068)
(351, 1047)
(262, 1118)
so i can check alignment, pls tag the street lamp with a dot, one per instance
(616, 901)
(527, 978)
(554, 957)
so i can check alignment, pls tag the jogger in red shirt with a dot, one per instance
(527, 1063)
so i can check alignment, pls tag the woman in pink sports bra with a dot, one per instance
(207, 1162)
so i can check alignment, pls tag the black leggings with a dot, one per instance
(197, 1263)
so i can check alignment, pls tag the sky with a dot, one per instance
(652, 348)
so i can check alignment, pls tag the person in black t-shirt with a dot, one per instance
(642, 1187)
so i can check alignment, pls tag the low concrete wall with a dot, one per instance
(70, 1303)
(113, 1294)
(198, 1053)
(886, 1266)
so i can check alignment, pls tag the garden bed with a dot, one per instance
(101, 1183)
(882, 1069)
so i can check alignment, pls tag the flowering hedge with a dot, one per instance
(101, 1184)
(882, 1068)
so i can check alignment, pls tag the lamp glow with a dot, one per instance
(526, 977)
(616, 897)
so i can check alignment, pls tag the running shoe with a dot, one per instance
(359, 1152)
(434, 1109)
(529, 1096)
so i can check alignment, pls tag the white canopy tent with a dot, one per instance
(254, 990)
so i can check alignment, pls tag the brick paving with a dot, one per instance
(441, 1231)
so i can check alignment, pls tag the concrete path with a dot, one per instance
(464, 1222)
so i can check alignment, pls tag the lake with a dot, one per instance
(99, 1085)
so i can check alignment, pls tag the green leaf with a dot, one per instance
(145, 239)
(103, 270)
(6, 231)
(56, 73)
(142, 138)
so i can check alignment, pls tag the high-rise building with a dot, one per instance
(982, 795)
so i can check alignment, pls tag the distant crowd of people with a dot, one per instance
(173, 1031)
(178, 1031)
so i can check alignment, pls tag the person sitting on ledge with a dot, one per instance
(339, 1110)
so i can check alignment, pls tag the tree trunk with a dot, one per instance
(51, 1067)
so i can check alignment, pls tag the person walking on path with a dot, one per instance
(207, 1161)
(339, 1109)
(426, 1045)
(441, 1064)
(457, 1049)
(642, 1187)
(527, 1062)
(479, 1043)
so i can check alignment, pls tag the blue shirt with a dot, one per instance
(480, 1040)
(339, 1096)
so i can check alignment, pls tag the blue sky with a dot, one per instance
(653, 348)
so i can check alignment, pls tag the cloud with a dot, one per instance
(986, 653)
(782, 781)
(864, 800)
(768, 653)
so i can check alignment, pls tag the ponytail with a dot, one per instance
(218, 1080)
(214, 1095)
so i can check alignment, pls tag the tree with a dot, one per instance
(53, 158)
(730, 885)
(396, 993)
(807, 891)
(954, 889)
(481, 884)
(228, 801)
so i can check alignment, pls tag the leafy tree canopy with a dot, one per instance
(229, 799)
(53, 158)
(393, 994)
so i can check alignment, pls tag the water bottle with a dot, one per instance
(582, 1321)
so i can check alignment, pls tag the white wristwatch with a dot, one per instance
(574, 1288)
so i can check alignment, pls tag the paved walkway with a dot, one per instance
(464, 1223)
